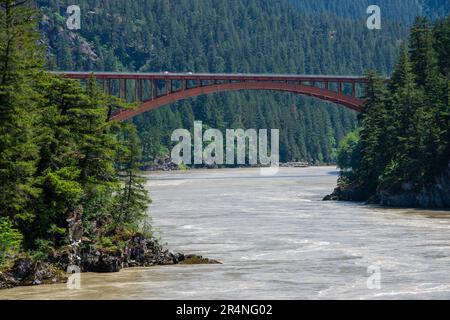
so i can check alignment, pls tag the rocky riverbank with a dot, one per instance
(294, 165)
(161, 164)
(436, 196)
(138, 251)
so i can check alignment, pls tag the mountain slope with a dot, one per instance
(227, 36)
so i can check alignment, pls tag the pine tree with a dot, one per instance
(405, 100)
(20, 62)
(442, 44)
(442, 48)
(132, 200)
(421, 44)
(373, 134)
(430, 79)
(411, 131)
(58, 173)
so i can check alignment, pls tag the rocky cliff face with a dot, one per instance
(436, 196)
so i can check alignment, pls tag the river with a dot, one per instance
(276, 240)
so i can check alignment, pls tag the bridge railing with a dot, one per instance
(149, 86)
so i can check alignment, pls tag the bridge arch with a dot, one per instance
(206, 83)
(316, 92)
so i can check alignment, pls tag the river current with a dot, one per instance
(276, 240)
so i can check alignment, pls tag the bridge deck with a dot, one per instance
(212, 76)
(148, 89)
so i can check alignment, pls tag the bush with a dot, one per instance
(348, 153)
(10, 240)
(43, 249)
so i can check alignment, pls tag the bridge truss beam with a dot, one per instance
(154, 90)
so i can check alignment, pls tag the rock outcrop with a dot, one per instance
(294, 165)
(161, 164)
(139, 251)
(25, 271)
(436, 196)
(348, 193)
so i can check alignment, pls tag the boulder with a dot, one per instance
(108, 262)
(46, 273)
(22, 269)
(7, 281)
(141, 251)
(194, 259)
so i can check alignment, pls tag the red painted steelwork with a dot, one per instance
(222, 83)
(347, 101)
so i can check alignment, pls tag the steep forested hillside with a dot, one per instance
(229, 36)
(402, 11)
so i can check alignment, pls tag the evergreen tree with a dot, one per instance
(404, 144)
(20, 62)
(406, 100)
(373, 133)
(133, 200)
(421, 44)
(442, 44)
(58, 150)
(433, 109)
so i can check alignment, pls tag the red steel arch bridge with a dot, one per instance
(153, 90)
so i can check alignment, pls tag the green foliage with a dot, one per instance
(405, 128)
(20, 62)
(105, 242)
(132, 200)
(373, 143)
(10, 239)
(232, 36)
(42, 249)
(442, 44)
(58, 150)
(349, 151)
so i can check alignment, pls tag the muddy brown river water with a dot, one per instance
(277, 240)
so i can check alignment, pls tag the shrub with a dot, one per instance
(43, 249)
(10, 240)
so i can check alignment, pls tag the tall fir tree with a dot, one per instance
(405, 100)
(20, 66)
(373, 133)
(133, 199)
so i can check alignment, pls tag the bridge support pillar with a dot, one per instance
(136, 93)
(152, 89)
(125, 88)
